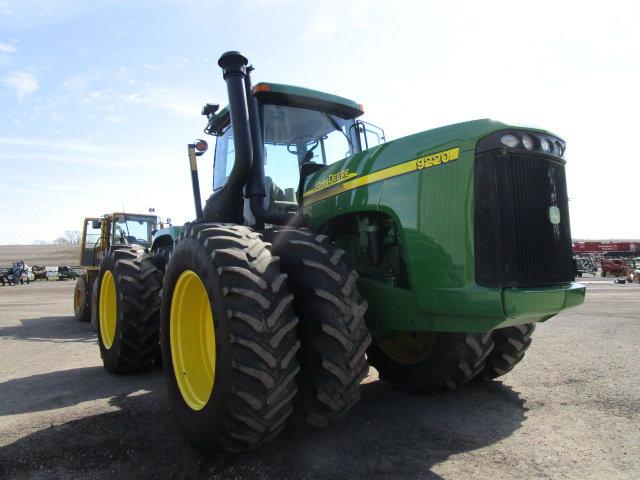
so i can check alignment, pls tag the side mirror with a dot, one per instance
(95, 224)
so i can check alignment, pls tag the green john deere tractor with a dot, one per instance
(324, 249)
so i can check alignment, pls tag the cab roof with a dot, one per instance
(305, 97)
(291, 95)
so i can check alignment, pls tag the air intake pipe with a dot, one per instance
(227, 204)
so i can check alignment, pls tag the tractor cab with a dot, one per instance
(302, 131)
(98, 234)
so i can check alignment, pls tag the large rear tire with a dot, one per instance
(128, 310)
(230, 364)
(430, 361)
(332, 329)
(511, 343)
(82, 300)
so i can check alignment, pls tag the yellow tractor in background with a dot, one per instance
(98, 235)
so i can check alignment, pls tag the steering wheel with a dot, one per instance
(292, 144)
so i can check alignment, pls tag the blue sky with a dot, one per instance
(98, 99)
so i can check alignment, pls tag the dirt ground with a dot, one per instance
(569, 410)
(47, 255)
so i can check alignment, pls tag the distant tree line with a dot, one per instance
(69, 237)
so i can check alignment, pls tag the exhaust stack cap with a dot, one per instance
(233, 62)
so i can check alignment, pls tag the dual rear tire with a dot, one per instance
(252, 357)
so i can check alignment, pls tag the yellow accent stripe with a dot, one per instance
(428, 161)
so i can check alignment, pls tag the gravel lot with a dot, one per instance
(570, 410)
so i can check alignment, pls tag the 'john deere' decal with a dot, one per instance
(332, 179)
(343, 181)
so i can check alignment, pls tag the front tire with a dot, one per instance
(128, 310)
(511, 343)
(230, 364)
(430, 361)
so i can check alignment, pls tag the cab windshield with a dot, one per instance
(293, 136)
(130, 229)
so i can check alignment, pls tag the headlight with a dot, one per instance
(545, 145)
(527, 142)
(509, 140)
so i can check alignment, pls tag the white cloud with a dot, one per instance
(69, 151)
(5, 10)
(265, 3)
(7, 48)
(58, 145)
(332, 17)
(22, 14)
(177, 102)
(23, 83)
(321, 26)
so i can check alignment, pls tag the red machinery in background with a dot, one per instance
(601, 246)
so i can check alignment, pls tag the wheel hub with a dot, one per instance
(408, 347)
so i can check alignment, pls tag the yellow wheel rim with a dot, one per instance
(408, 347)
(192, 340)
(108, 311)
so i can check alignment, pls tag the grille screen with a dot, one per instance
(522, 231)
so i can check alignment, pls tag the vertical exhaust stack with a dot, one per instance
(234, 72)
(226, 205)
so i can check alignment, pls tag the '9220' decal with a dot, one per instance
(437, 158)
(326, 188)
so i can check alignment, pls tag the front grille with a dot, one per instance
(516, 243)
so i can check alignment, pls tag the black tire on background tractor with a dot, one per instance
(94, 306)
(161, 257)
(430, 361)
(82, 299)
(511, 343)
(128, 310)
(332, 330)
(230, 364)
